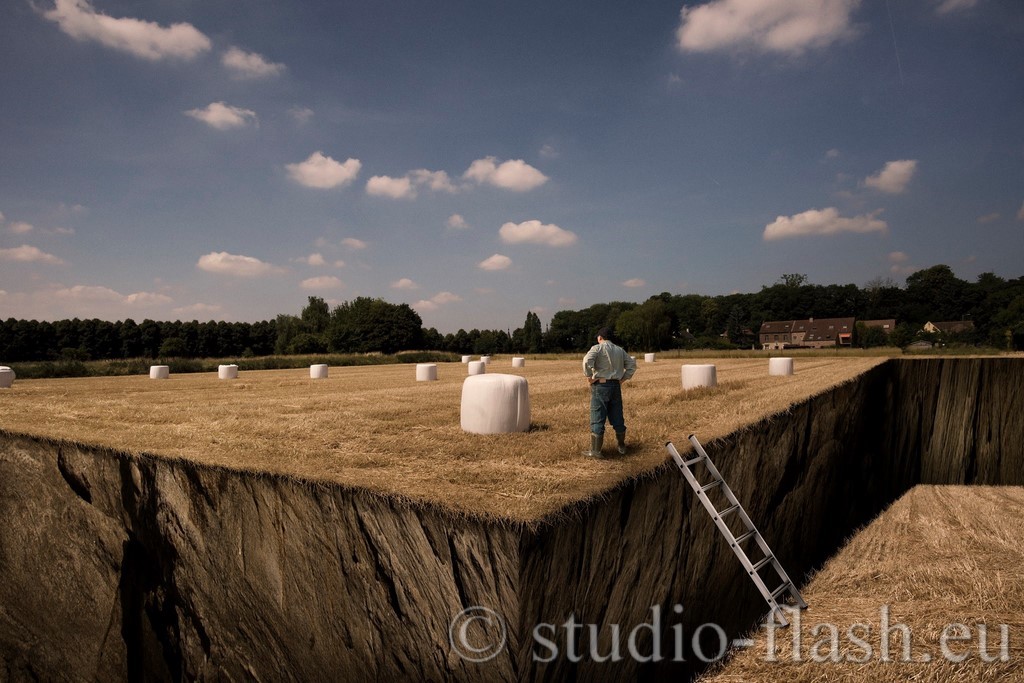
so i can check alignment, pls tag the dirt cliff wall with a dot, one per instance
(119, 567)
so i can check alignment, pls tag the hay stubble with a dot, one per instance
(376, 427)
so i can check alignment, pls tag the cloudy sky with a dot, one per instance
(210, 159)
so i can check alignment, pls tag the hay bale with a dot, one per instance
(318, 371)
(159, 371)
(485, 359)
(695, 376)
(518, 362)
(466, 359)
(780, 366)
(227, 371)
(477, 367)
(648, 357)
(426, 372)
(6, 377)
(495, 404)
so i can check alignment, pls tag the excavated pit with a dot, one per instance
(124, 567)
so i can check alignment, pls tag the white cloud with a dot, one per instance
(788, 27)
(536, 232)
(566, 301)
(249, 65)
(436, 301)
(19, 228)
(947, 6)
(147, 298)
(197, 309)
(311, 260)
(95, 293)
(495, 262)
(323, 282)
(899, 263)
(301, 115)
(145, 39)
(323, 172)
(832, 154)
(339, 264)
(515, 175)
(393, 188)
(457, 222)
(404, 283)
(822, 222)
(425, 305)
(407, 186)
(634, 282)
(437, 181)
(1020, 212)
(549, 152)
(223, 116)
(894, 176)
(1, 216)
(989, 218)
(223, 263)
(353, 243)
(29, 254)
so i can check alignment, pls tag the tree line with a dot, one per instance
(665, 321)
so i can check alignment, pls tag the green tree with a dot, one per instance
(316, 316)
(365, 324)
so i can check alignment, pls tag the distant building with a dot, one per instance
(886, 326)
(950, 327)
(811, 333)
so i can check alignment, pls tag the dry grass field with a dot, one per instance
(940, 555)
(376, 427)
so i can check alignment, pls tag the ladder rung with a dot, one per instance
(750, 531)
(740, 539)
(728, 511)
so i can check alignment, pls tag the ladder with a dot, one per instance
(772, 596)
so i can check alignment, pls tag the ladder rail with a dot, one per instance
(735, 542)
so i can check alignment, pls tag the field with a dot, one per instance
(375, 427)
(941, 555)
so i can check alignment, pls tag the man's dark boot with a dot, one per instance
(596, 442)
(620, 437)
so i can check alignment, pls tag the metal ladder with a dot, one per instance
(771, 596)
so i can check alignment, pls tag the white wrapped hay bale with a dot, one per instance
(695, 376)
(477, 367)
(318, 371)
(648, 357)
(466, 359)
(495, 404)
(159, 371)
(780, 366)
(518, 362)
(6, 377)
(227, 371)
(485, 359)
(426, 372)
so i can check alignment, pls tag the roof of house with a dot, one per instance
(824, 329)
(777, 327)
(954, 326)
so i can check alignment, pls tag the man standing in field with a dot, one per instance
(606, 366)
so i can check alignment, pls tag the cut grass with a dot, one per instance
(376, 427)
(940, 555)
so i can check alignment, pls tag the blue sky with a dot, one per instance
(207, 159)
